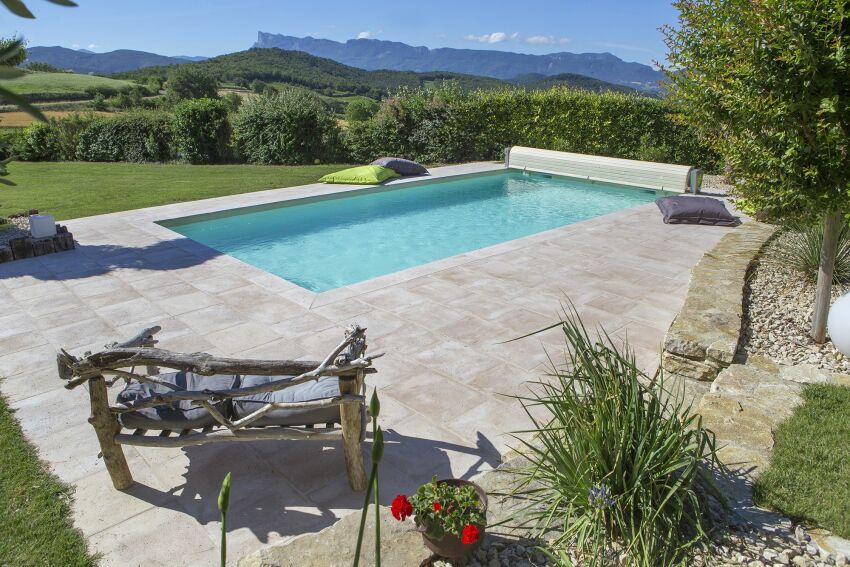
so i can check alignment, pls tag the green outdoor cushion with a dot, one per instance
(363, 175)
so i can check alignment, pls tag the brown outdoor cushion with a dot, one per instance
(178, 415)
(683, 209)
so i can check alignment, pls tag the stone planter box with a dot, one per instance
(28, 247)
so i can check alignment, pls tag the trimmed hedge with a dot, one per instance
(292, 127)
(138, 136)
(449, 125)
(201, 130)
(445, 125)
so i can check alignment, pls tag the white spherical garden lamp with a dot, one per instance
(839, 324)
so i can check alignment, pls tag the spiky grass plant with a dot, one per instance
(800, 249)
(618, 466)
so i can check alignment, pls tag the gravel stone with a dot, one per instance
(777, 316)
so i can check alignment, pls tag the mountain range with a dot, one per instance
(372, 54)
(85, 61)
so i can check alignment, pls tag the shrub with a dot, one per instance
(138, 136)
(801, 250)
(10, 140)
(189, 81)
(616, 458)
(233, 101)
(201, 131)
(98, 102)
(293, 127)
(39, 142)
(361, 109)
(43, 67)
(68, 131)
(448, 124)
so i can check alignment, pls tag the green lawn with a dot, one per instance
(32, 83)
(35, 524)
(78, 189)
(809, 475)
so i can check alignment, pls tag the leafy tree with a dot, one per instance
(187, 82)
(768, 83)
(43, 67)
(18, 52)
(361, 109)
(258, 86)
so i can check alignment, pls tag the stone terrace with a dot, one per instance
(440, 384)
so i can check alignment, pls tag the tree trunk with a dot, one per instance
(823, 293)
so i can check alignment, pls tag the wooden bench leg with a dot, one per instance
(352, 432)
(106, 426)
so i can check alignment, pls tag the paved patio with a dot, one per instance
(440, 383)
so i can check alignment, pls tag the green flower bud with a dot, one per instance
(378, 446)
(224, 495)
(374, 405)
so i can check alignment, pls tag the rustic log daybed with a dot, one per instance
(212, 399)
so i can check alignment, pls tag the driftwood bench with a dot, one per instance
(212, 399)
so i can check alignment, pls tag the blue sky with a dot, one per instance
(627, 28)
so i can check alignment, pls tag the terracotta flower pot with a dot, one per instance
(450, 546)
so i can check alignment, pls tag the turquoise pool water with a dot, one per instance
(326, 243)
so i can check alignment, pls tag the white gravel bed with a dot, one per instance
(741, 545)
(777, 316)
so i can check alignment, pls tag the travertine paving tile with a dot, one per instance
(443, 380)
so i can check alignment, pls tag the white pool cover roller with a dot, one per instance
(652, 175)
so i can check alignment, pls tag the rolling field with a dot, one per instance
(60, 83)
(22, 119)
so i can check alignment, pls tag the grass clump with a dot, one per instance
(801, 248)
(36, 523)
(809, 474)
(618, 466)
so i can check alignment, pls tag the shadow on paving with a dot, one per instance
(88, 260)
(288, 488)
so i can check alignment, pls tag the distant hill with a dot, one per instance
(315, 73)
(84, 61)
(374, 54)
(541, 81)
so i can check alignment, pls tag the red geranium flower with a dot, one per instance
(437, 507)
(470, 534)
(401, 508)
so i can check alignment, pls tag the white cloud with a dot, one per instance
(92, 46)
(364, 35)
(547, 40)
(75, 46)
(498, 37)
(495, 37)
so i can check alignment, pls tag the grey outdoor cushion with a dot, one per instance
(326, 387)
(682, 209)
(178, 415)
(401, 166)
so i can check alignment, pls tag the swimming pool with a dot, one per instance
(329, 242)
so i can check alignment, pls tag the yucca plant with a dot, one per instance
(618, 467)
(800, 250)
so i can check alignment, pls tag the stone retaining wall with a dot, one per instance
(703, 339)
